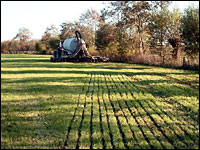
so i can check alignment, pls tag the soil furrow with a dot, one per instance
(181, 82)
(154, 122)
(117, 118)
(107, 117)
(152, 146)
(164, 101)
(91, 118)
(191, 138)
(180, 118)
(124, 115)
(72, 120)
(82, 118)
(100, 117)
(180, 106)
(183, 107)
(171, 128)
(179, 137)
(139, 126)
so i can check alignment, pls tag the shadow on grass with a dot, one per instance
(24, 60)
(57, 120)
(106, 72)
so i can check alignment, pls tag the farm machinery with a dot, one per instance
(75, 50)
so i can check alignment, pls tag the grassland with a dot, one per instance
(96, 105)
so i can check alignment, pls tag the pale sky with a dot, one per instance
(38, 15)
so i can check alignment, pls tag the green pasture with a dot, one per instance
(67, 105)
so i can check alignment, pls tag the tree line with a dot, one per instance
(125, 31)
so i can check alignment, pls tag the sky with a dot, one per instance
(38, 15)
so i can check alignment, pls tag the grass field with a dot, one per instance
(96, 105)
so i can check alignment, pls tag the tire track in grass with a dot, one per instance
(155, 143)
(116, 138)
(107, 127)
(73, 118)
(100, 114)
(117, 117)
(82, 118)
(130, 143)
(181, 140)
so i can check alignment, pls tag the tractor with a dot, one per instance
(74, 49)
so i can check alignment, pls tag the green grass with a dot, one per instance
(96, 105)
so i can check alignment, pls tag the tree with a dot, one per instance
(174, 31)
(37, 47)
(136, 17)
(159, 26)
(23, 35)
(106, 40)
(105, 35)
(68, 29)
(4, 47)
(50, 39)
(91, 19)
(131, 18)
(190, 30)
(52, 30)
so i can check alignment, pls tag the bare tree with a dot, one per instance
(23, 34)
(91, 19)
